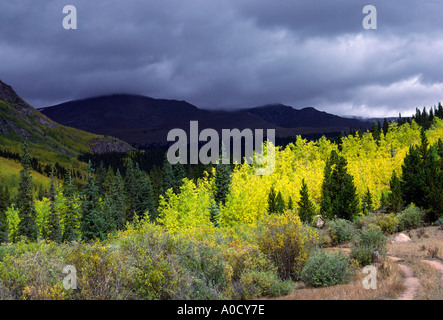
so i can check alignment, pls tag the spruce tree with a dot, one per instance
(145, 202)
(93, 224)
(279, 203)
(290, 204)
(367, 202)
(394, 199)
(214, 213)
(70, 219)
(54, 229)
(272, 201)
(109, 180)
(5, 202)
(223, 177)
(306, 208)
(168, 179)
(100, 178)
(119, 199)
(413, 178)
(179, 175)
(131, 188)
(25, 198)
(339, 194)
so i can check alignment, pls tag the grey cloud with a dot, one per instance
(228, 54)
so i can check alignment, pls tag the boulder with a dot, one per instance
(401, 238)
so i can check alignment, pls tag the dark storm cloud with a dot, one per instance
(226, 54)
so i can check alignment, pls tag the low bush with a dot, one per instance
(366, 243)
(340, 230)
(255, 284)
(388, 223)
(410, 218)
(323, 269)
(287, 242)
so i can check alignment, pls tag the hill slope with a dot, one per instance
(49, 141)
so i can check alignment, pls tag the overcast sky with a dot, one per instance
(228, 53)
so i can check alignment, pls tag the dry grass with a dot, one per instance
(430, 281)
(427, 243)
(389, 284)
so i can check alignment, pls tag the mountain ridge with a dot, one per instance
(142, 121)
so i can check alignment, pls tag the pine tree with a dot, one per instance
(223, 177)
(290, 203)
(306, 208)
(339, 194)
(70, 216)
(109, 180)
(272, 201)
(93, 224)
(145, 202)
(279, 203)
(119, 199)
(367, 202)
(214, 213)
(25, 198)
(385, 126)
(433, 188)
(168, 179)
(131, 189)
(413, 178)
(394, 199)
(179, 175)
(100, 178)
(5, 202)
(54, 229)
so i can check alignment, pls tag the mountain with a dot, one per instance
(288, 117)
(48, 140)
(144, 121)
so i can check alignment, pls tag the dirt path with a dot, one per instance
(411, 283)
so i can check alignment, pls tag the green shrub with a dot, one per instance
(366, 243)
(439, 222)
(323, 269)
(388, 223)
(340, 230)
(410, 218)
(255, 284)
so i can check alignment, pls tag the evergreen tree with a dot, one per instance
(100, 178)
(70, 216)
(93, 224)
(394, 199)
(214, 213)
(272, 201)
(385, 126)
(306, 208)
(131, 189)
(433, 188)
(339, 192)
(290, 203)
(279, 203)
(222, 179)
(413, 178)
(25, 198)
(109, 180)
(179, 175)
(168, 179)
(54, 229)
(144, 202)
(119, 199)
(5, 202)
(367, 202)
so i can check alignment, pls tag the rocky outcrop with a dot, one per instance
(108, 144)
(8, 94)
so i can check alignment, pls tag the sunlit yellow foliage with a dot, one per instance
(188, 209)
